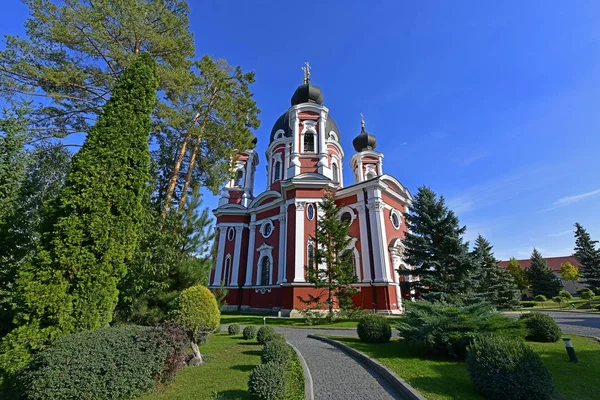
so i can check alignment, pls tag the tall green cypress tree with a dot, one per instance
(435, 247)
(71, 284)
(588, 255)
(493, 283)
(543, 280)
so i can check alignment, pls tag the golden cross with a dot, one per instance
(306, 70)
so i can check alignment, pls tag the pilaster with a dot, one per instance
(299, 242)
(250, 261)
(221, 254)
(236, 256)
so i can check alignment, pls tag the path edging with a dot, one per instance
(407, 391)
(309, 393)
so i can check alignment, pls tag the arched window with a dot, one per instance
(227, 271)
(334, 171)
(310, 258)
(370, 175)
(239, 177)
(309, 142)
(277, 173)
(265, 271)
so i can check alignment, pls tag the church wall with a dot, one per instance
(235, 219)
(290, 242)
(267, 214)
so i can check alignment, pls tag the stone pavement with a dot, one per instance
(577, 323)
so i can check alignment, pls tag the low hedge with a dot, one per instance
(507, 369)
(276, 351)
(233, 329)
(267, 381)
(373, 328)
(541, 327)
(528, 304)
(263, 333)
(249, 332)
(106, 363)
(275, 337)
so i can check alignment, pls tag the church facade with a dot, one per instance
(265, 240)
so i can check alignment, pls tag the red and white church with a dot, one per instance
(264, 241)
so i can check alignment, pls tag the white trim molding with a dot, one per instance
(265, 251)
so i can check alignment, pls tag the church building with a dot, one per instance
(265, 240)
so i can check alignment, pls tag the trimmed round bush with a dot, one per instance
(249, 332)
(267, 381)
(373, 328)
(105, 363)
(233, 329)
(565, 294)
(280, 337)
(528, 304)
(541, 327)
(540, 297)
(276, 351)
(263, 333)
(506, 369)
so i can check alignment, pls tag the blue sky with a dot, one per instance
(492, 104)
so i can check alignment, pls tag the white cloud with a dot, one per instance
(563, 233)
(564, 201)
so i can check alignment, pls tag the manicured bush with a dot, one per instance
(233, 329)
(528, 304)
(276, 351)
(106, 363)
(565, 294)
(540, 298)
(373, 328)
(586, 293)
(280, 337)
(506, 369)
(267, 381)
(263, 333)
(448, 329)
(559, 300)
(541, 327)
(249, 332)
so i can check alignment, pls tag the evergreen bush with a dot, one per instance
(373, 328)
(540, 298)
(448, 329)
(528, 304)
(279, 337)
(263, 333)
(276, 351)
(249, 332)
(565, 294)
(267, 381)
(106, 363)
(506, 369)
(541, 327)
(233, 329)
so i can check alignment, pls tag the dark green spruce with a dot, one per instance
(543, 280)
(588, 254)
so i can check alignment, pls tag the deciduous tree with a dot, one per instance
(569, 272)
(520, 275)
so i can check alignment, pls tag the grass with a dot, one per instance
(248, 319)
(578, 305)
(442, 378)
(230, 359)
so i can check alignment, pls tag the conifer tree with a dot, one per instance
(333, 269)
(588, 255)
(71, 284)
(435, 247)
(543, 280)
(494, 284)
(520, 275)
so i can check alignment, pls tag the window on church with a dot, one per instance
(334, 171)
(309, 142)
(310, 258)
(239, 177)
(277, 173)
(346, 217)
(265, 271)
(310, 212)
(227, 271)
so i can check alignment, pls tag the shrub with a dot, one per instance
(586, 293)
(565, 294)
(263, 333)
(233, 329)
(267, 381)
(373, 328)
(559, 300)
(276, 351)
(110, 363)
(504, 369)
(279, 337)
(449, 329)
(540, 298)
(597, 307)
(249, 332)
(541, 327)
(528, 304)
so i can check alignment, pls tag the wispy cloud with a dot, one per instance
(565, 201)
(460, 204)
(472, 158)
(563, 233)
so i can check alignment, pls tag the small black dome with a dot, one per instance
(283, 123)
(364, 141)
(254, 139)
(307, 93)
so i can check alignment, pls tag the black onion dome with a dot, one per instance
(282, 123)
(307, 93)
(254, 140)
(364, 141)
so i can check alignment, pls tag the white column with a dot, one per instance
(380, 251)
(361, 174)
(323, 167)
(221, 254)
(250, 262)
(396, 259)
(294, 161)
(282, 246)
(236, 256)
(299, 245)
(364, 244)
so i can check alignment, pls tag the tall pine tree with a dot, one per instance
(435, 247)
(588, 255)
(494, 284)
(543, 280)
(71, 284)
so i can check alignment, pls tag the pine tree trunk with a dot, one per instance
(197, 360)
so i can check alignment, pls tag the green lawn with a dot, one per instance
(578, 305)
(230, 359)
(438, 379)
(248, 319)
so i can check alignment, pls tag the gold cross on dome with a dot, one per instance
(362, 120)
(306, 70)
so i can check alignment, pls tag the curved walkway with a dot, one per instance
(578, 323)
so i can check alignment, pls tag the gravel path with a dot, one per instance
(577, 323)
